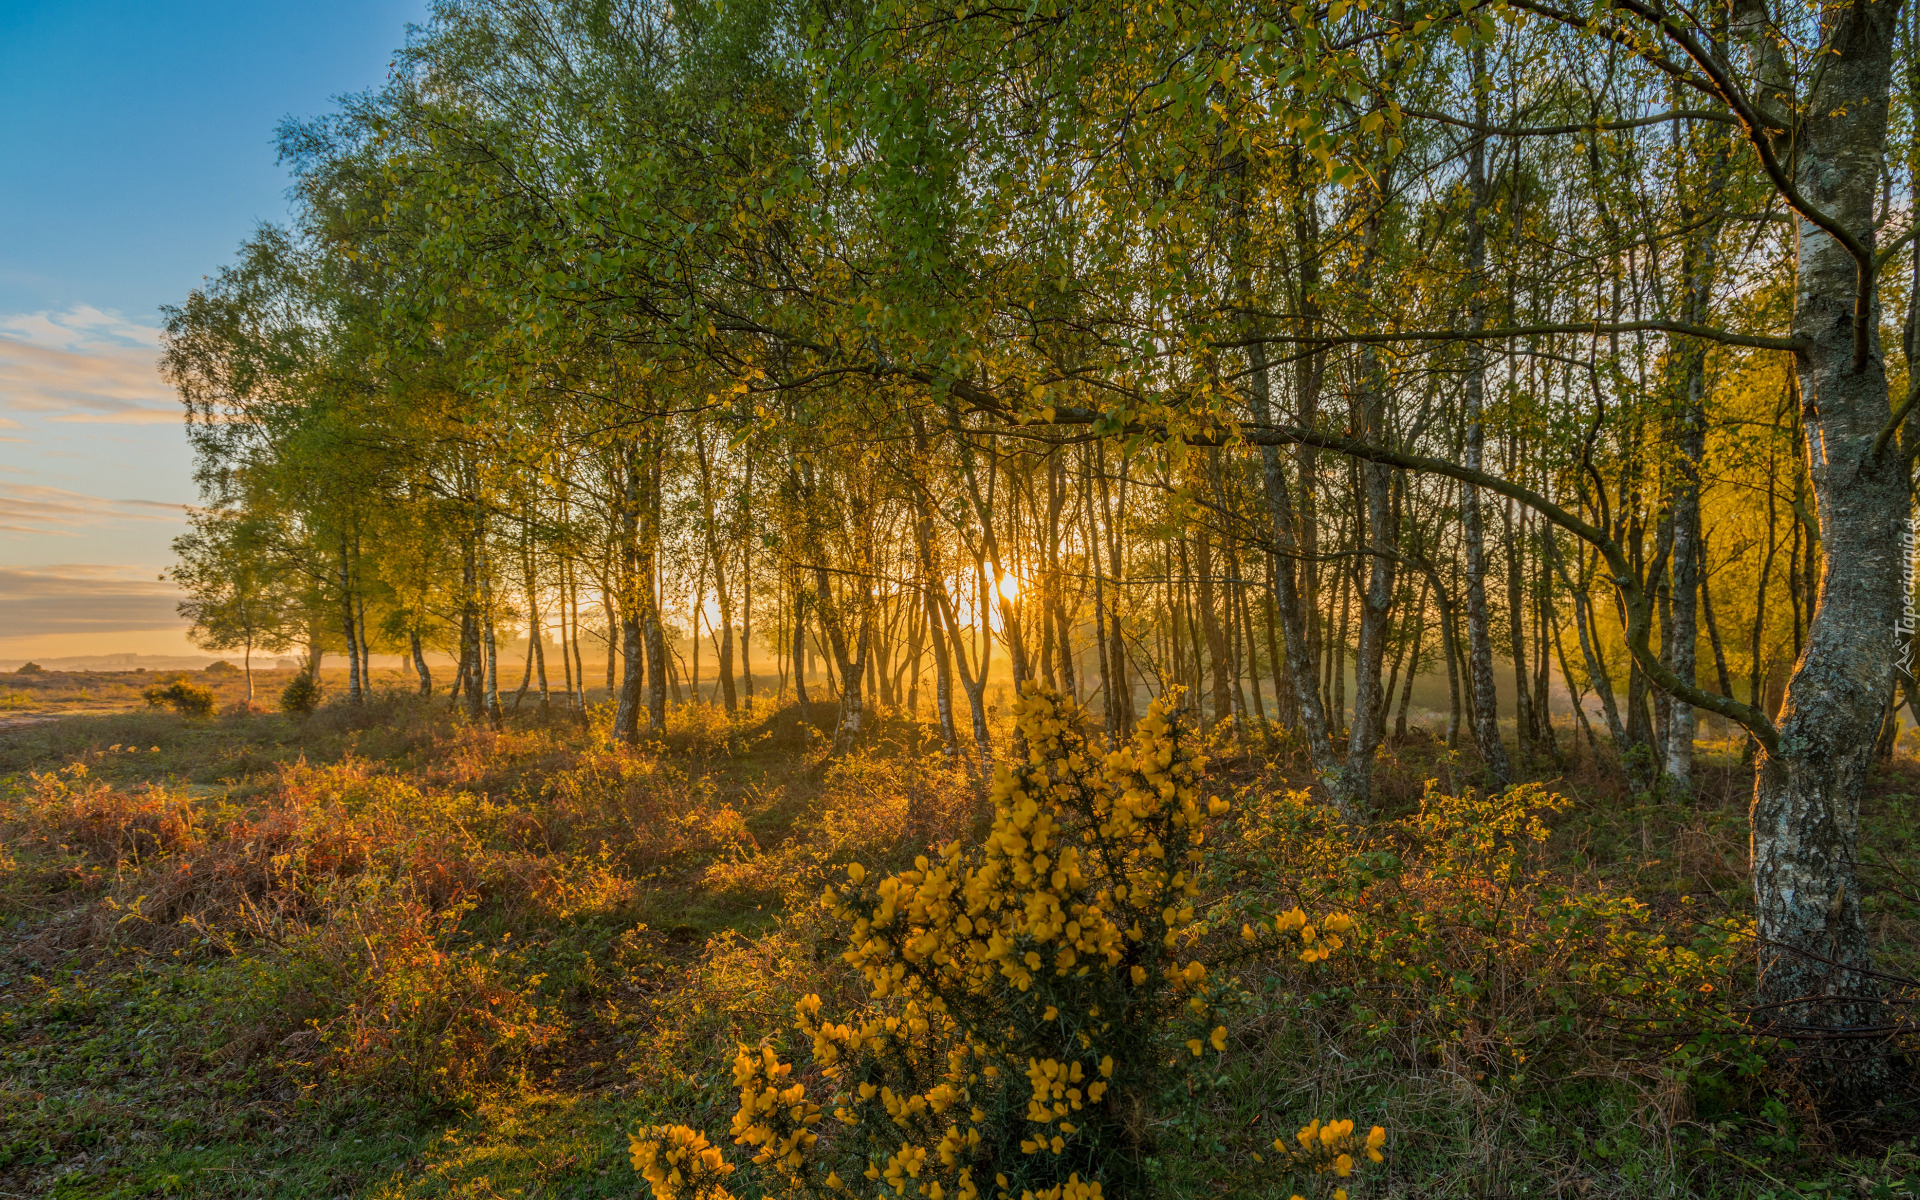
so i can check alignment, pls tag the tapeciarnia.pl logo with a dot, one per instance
(1909, 618)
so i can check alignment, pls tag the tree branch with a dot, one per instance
(1594, 328)
(1639, 604)
(1759, 129)
(1687, 114)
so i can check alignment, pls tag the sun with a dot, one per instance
(1009, 587)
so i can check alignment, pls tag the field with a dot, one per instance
(385, 953)
(32, 698)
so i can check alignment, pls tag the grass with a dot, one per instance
(383, 953)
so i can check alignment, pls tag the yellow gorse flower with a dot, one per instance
(680, 1163)
(775, 1121)
(1027, 904)
(1318, 942)
(1031, 977)
(1330, 1146)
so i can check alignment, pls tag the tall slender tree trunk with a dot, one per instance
(1285, 712)
(472, 666)
(350, 627)
(634, 582)
(849, 657)
(1246, 627)
(1296, 653)
(1514, 526)
(1486, 708)
(536, 647)
(1806, 810)
(566, 636)
(1113, 517)
(1210, 622)
(746, 593)
(799, 646)
(934, 600)
(646, 566)
(1103, 647)
(488, 637)
(526, 674)
(1698, 261)
(366, 639)
(420, 662)
(1418, 618)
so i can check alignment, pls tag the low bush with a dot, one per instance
(1037, 1005)
(187, 699)
(301, 695)
(1028, 1003)
(392, 996)
(1478, 953)
(85, 833)
(352, 888)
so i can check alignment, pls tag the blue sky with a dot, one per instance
(136, 153)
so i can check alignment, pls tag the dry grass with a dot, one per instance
(391, 903)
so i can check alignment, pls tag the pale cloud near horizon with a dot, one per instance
(36, 508)
(67, 379)
(85, 598)
(129, 416)
(83, 365)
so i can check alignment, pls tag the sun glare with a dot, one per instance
(1009, 587)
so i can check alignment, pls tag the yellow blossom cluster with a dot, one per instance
(680, 1163)
(1331, 1147)
(1042, 960)
(774, 1120)
(1023, 990)
(935, 1157)
(1318, 940)
(1074, 1188)
(1082, 858)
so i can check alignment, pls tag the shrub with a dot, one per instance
(1028, 1002)
(701, 730)
(409, 1003)
(1477, 954)
(222, 667)
(81, 815)
(185, 698)
(301, 695)
(32, 668)
(867, 805)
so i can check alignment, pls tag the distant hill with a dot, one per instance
(137, 662)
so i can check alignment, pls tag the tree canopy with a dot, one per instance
(1285, 355)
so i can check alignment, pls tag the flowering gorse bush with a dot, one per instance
(1472, 948)
(1028, 995)
(681, 1164)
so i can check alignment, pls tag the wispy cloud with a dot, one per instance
(83, 364)
(79, 327)
(127, 416)
(33, 508)
(84, 598)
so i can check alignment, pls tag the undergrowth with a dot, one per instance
(383, 952)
